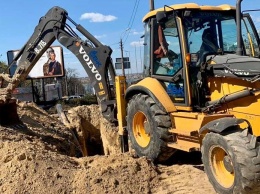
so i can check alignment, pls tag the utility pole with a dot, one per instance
(136, 60)
(122, 57)
(141, 56)
(66, 84)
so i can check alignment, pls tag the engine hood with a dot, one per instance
(232, 65)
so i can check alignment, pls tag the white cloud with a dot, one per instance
(137, 43)
(134, 32)
(97, 17)
(100, 36)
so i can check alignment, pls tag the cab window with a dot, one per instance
(249, 37)
(167, 53)
(167, 60)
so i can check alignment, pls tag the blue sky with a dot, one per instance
(106, 20)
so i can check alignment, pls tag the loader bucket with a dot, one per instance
(8, 113)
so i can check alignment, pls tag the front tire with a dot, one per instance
(147, 126)
(232, 162)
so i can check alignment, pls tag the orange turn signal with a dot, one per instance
(187, 58)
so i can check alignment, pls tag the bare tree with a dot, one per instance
(71, 84)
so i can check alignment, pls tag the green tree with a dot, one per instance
(3, 67)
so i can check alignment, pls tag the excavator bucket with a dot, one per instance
(8, 113)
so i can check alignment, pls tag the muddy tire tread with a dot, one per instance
(157, 150)
(246, 152)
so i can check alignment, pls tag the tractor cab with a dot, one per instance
(181, 39)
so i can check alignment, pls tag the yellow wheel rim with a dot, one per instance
(141, 129)
(222, 166)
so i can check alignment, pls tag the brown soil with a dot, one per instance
(40, 155)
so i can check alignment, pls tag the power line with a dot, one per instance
(126, 33)
(132, 18)
(132, 14)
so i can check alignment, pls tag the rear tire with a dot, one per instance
(232, 161)
(147, 126)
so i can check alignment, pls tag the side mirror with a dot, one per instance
(161, 16)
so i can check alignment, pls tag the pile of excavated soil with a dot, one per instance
(38, 156)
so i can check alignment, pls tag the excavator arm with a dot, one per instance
(94, 57)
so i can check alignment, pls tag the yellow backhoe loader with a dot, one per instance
(200, 91)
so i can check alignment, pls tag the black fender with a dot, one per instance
(219, 125)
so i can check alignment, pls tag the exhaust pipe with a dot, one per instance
(239, 34)
(151, 5)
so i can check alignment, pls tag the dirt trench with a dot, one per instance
(38, 156)
(95, 134)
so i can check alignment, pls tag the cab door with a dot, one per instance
(250, 36)
(167, 60)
